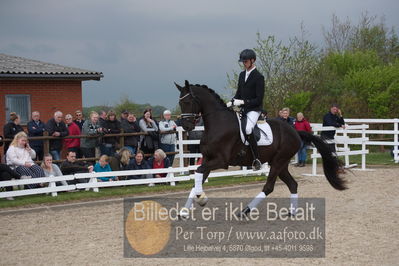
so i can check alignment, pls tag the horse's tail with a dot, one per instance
(331, 164)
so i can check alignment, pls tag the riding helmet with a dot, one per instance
(247, 54)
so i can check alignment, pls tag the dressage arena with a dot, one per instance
(361, 223)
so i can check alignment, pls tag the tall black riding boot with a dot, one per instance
(256, 164)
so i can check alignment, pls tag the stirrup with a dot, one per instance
(256, 165)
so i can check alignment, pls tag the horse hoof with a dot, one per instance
(201, 199)
(184, 213)
(244, 213)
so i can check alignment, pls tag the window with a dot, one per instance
(20, 104)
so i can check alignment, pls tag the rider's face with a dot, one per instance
(248, 64)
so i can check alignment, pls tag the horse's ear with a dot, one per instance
(187, 84)
(178, 86)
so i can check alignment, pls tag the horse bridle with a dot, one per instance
(195, 100)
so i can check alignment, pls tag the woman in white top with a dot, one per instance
(20, 154)
(51, 169)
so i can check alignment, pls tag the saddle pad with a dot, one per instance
(266, 135)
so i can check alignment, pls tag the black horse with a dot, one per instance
(221, 144)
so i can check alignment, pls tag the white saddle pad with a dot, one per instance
(266, 135)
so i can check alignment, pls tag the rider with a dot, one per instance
(250, 91)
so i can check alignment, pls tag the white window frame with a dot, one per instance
(7, 111)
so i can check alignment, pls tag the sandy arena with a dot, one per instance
(362, 227)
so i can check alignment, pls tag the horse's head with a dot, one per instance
(189, 105)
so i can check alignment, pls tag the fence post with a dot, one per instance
(395, 140)
(180, 142)
(363, 147)
(46, 144)
(346, 146)
(314, 160)
(122, 140)
(53, 185)
(171, 175)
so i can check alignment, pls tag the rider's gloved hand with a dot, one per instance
(238, 102)
(229, 104)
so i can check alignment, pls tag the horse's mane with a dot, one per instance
(213, 93)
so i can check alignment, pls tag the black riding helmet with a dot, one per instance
(247, 54)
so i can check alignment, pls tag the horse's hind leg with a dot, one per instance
(287, 178)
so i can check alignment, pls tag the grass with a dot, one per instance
(375, 158)
(112, 192)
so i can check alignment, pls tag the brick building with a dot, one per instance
(29, 85)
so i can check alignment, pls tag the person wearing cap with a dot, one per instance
(249, 95)
(124, 115)
(168, 141)
(333, 118)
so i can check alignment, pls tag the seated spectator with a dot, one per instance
(112, 126)
(130, 125)
(51, 169)
(301, 124)
(79, 121)
(91, 127)
(6, 173)
(168, 141)
(138, 163)
(56, 128)
(73, 130)
(159, 160)
(11, 129)
(20, 156)
(70, 166)
(103, 166)
(285, 116)
(120, 160)
(150, 142)
(35, 129)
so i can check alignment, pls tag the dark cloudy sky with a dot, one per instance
(143, 46)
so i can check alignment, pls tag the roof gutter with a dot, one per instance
(53, 76)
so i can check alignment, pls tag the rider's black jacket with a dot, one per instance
(251, 91)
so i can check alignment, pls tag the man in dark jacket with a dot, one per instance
(70, 166)
(250, 92)
(332, 119)
(35, 129)
(130, 125)
(11, 129)
(56, 128)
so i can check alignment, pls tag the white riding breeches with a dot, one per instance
(252, 119)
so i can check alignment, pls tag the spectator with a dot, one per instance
(130, 125)
(112, 126)
(103, 166)
(20, 156)
(56, 128)
(79, 119)
(150, 142)
(195, 135)
(285, 116)
(6, 173)
(168, 141)
(159, 160)
(11, 129)
(103, 118)
(91, 127)
(124, 115)
(120, 160)
(70, 166)
(332, 119)
(50, 169)
(73, 130)
(138, 163)
(301, 124)
(35, 129)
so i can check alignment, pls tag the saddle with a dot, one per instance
(262, 131)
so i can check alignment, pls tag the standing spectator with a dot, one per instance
(20, 155)
(124, 115)
(138, 163)
(35, 129)
(91, 127)
(285, 116)
(301, 124)
(56, 128)
(103, 118)
(112, 126)
(130, 125)
(51, 169)
(159, 160)
(11, 129)
(332, 119)
(168, 141)
(70, 166)
(149, 142)
(195, 135)
(73, 130)
(79, 119)
(103, 166)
